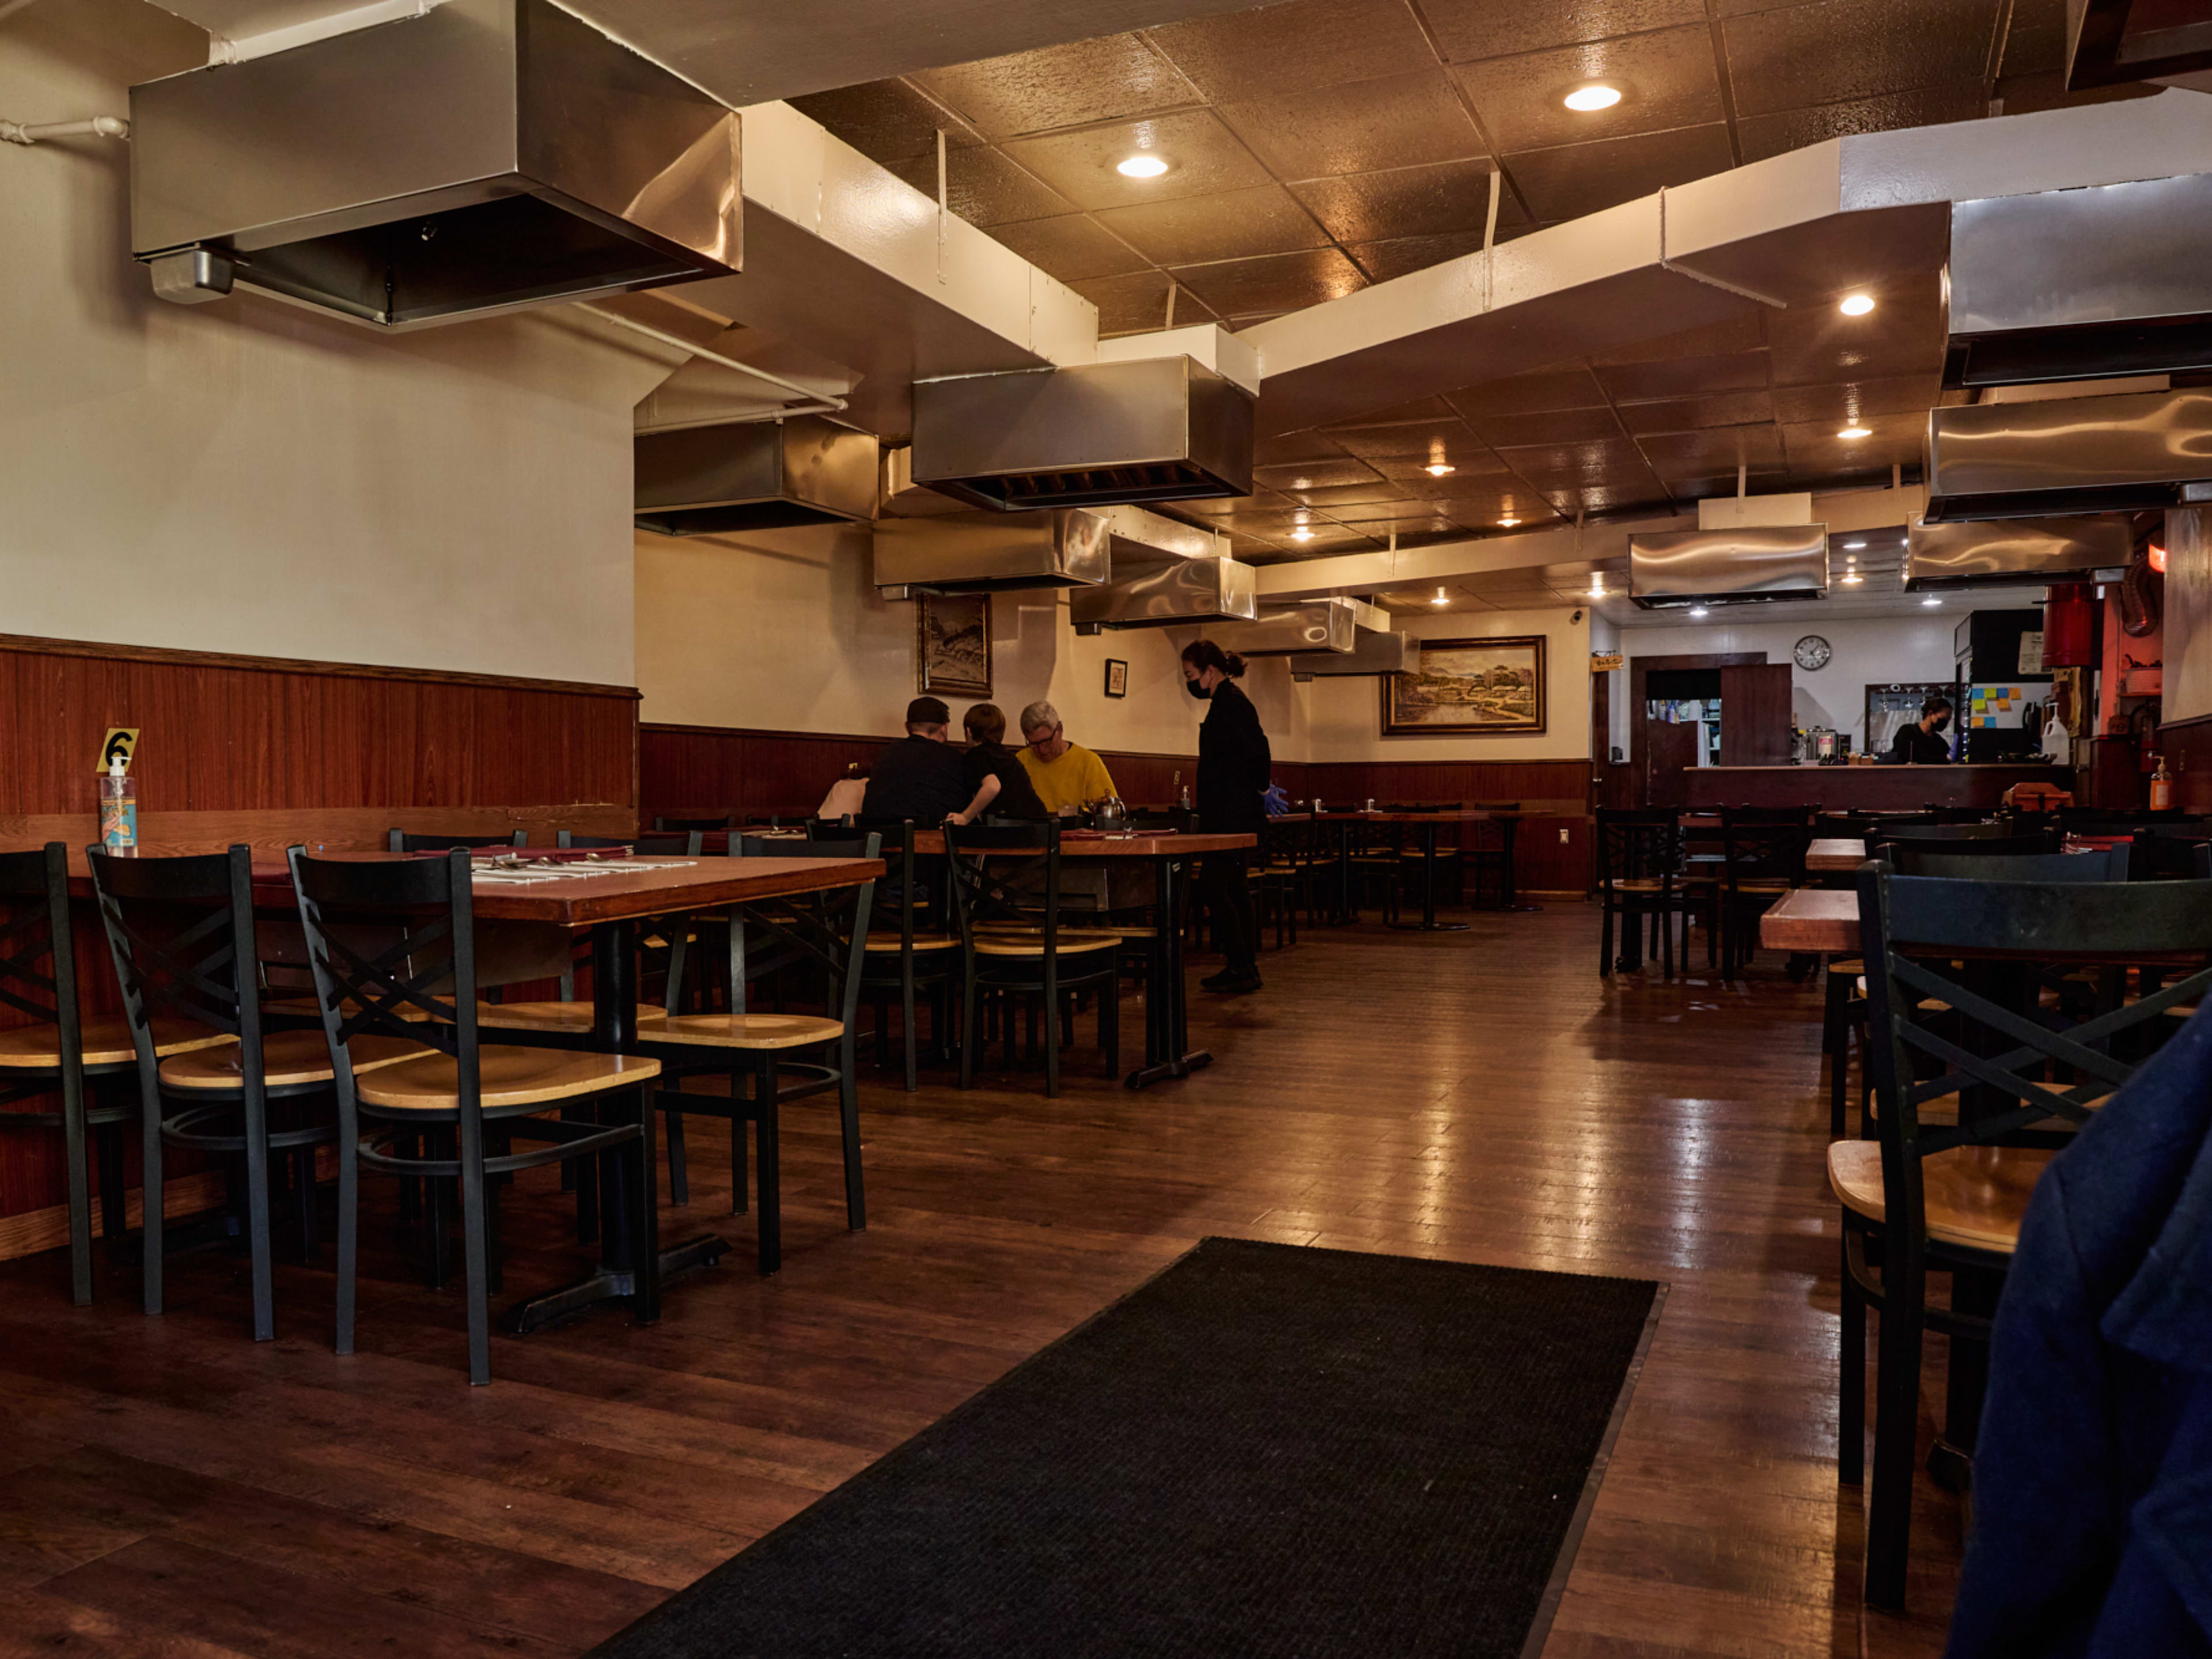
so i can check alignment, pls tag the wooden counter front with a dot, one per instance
(1881, 788)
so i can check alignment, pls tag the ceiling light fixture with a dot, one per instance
(1857, 431)
(1697, 610)
(1856, 305)
(1852, 578)
(1301, 534)
(1854, 547)
(1594, 96)
(1142, 166)
(1930, 602)
(1508, 522)
(1438, 469)
(1442, 598)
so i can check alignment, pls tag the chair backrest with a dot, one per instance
(2164, 853)
(680, 825)
(1952, 832)
(1004, 873)
(1947, 839)
(35, 928)
(1637, 843)
(1973, 861)
(683, 844)
(180, 931)
(2102, 822)
(398, 841)
(1765, 843)
(826, 931)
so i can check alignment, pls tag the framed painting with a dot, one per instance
(1468, 687)
(1117, 677)
(953, 644)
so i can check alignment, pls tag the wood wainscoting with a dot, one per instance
(272, 752)
(1543, 861)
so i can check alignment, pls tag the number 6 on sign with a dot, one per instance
(120, 740)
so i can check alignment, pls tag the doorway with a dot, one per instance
(1660, 751)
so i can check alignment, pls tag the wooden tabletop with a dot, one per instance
(1464, 815)
(1836, 855)
(1168, 845)
(1824, 920)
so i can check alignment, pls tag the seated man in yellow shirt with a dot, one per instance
(1066, 775)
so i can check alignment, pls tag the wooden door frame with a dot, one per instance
(1638, 667)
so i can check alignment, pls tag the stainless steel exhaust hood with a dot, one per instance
(991, 552)
(1371, 653)
(1752, 564)
(2053, 458)
(1942, 555)
(1153, 430)
(1181, 591)
(1324, 625)
(2093, 283)
(754, 475)
(484, 157)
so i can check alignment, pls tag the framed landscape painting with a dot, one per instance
(1468, 687)
(954, 644)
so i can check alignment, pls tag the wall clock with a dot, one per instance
(1813, 652)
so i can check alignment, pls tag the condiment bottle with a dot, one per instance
(118, 811)
(2161, 788)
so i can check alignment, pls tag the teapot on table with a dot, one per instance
(1109, 814)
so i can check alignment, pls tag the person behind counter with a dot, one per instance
(995, 772)
(918, 777)
(1066, 775)
(1923, 744)
(1234, 764)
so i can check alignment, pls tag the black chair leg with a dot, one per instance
(1896, 1423)
(475, 1250)
(740, 1176)
(1605, 943)
(645, 1204)
(1850, 1382)
(150, 1231)
(848, 1123)
(679, 1174)
(768, 1150)
(114, 1224)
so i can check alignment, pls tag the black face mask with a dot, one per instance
(1198, 688)
(1943, 720)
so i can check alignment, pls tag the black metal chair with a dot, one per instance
(1973, 861)
(684, 825)
(1640, 859)
(677, 844)
(2102, 822)
(392, 946)
(400, 840)
(2166, 852)
(1994, 840)
(1763, 857)
(1006, 902)
(922, 955)
(2019, 1074)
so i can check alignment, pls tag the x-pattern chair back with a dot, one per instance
(386, 936)
(181, 932)
(827, 931)
(34, 929)
(990, 863)
(1639, 844)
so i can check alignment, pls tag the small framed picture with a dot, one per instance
(1117, 677)
(953, 646)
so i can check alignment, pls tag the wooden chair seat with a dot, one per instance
(308, 1008)
(738, 1030)
(1639, 885)
(535, 1015)
(1765, 884)
(510, 1079)
(878, 945)
(100, 1043)
(1030, 942)
(1975, 1195)
(289, 1059)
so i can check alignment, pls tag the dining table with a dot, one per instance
(1835, 855)
(1508, 823)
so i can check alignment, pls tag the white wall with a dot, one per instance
(248, 476)
(1868, 651)
(2187, 649)
(783, 631)
(1347, 714)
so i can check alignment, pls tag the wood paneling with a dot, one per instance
(1543, 863)
(270, 752)
(1878, 788)
(1755, 714)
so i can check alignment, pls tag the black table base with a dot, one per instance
(605, 1283)
(1168, 1053)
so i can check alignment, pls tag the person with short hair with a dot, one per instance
(1923, 743)
(920, 776)
(1234, 764)
(995, 772)
(1066, 776)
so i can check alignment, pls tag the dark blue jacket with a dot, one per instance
(2093, 1475)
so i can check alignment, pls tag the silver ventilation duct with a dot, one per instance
(1154, 429)
(485, 156)
(1750, 564)
(1943, 555)
(1181, 591)
(991, 552)
(1371, 653)
(2063, 456)
(1323, 625)
(2095, 283)
(753, 475)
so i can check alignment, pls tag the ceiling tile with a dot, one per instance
(1070, 246)
(1714, 450)
(1902, 336)
(1304, 478)
(1420, 408)
(1492, 28)
(1203, 157)
(1426, 201)
(1557, 426)
(1278, 281)
(983, 186)
(1568, 387)
(1836, 403)
(1468, 474)
(1601, 462)
(1690, 414)
(1407, 522)
(2035, 37)
(1448, 439)
(1575, 179)
(1346, 501)
(1306, 43)
(1839, 49)
(1270, 526)
(1324, 536)
(1677, 377)
(1816, 453)
(1667, 79)
(1063, 85)
(886, 120)
(1138, 304)
(1525, 506)
(1762, 135)
(1235, 224)
(1296, 446)
(1744, 331)
(1223, 507)
(1384, 260)
(1773, 482)
(1401, 121)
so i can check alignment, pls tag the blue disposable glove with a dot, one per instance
(1275, 800)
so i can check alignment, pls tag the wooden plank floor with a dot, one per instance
(168, 1486)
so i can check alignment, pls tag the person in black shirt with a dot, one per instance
(1000, 782)
(919, 777)
(1234, 764)
(1923, 744)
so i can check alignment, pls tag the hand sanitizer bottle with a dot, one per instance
(118, 811)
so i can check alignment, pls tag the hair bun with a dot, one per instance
(1232, 665)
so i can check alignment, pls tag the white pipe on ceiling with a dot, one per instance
(99, 126)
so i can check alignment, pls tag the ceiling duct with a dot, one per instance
(1942, 555)
(1155, 429)
(2094, 283)
(753, 475)
(2057, 456)
(1328, 626)
(484, 157)
(1750, 564)
(1180, 591)
(1371, 653)
(2113, 41)
(991, 552)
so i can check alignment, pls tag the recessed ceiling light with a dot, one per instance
(1438, 469)
(1142, 166)
(1857, 431)
(1442, 598)
(1301, 534)
(1856, 305)
(1931, 602)
(1508, 522)
(1594, 96)
(1852, 578)
(1854, 547)
(1697, 610)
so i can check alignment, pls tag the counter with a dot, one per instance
(1881, 788)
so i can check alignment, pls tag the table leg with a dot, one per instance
(1428, 923)
(1508, 895)
(1174, 1057)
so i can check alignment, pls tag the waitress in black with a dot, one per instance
(1234, 764)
